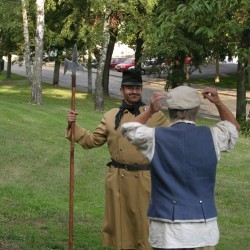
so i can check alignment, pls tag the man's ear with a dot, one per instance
(121, 89)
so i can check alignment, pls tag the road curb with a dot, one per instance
(162, 82)
(231, 92)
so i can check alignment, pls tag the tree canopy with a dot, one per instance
(167, 30)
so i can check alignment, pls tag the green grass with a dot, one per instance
(13, 77)
(229, 81)
(34, 176)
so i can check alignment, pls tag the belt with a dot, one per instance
(129, 167)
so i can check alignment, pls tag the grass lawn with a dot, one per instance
(229, 81)
(34, 176)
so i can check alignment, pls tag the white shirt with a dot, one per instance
(181, 235)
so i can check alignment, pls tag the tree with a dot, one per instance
(99, 102)
(241, 15)
(236, 34)
(60, 35)
(242, 76)
(10, 36)
(169, 35)
(26, 42)
(114, 22)
(126, 22)
(36, 89)
(205, 28)
(90, 33)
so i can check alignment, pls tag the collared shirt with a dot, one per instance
(181, 235)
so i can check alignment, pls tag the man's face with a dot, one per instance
(131, 94)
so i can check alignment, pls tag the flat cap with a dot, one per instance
(183, 97)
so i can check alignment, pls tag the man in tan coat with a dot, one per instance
(128, 184)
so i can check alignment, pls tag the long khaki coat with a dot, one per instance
(127, 193)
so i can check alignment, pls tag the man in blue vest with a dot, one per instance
(183, 158)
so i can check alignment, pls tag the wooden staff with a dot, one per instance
(73, 65)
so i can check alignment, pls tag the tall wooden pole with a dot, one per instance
(71, 179)
(73, 65)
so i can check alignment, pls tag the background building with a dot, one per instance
(122, 50)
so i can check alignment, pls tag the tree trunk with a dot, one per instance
(241, 92)
(26, 43)
(185, 68)
(89, 67)
(99, 100)
(110, 50)
(56, 72)
(242, 78)
(105, 79)
(217, 71)
(248, 71)
(178, 75)
(89, 42)
(1, 62)
(138, 51)
(8, 72)
(36, 90)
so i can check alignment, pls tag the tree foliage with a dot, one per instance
(10, 25)
(173, 30)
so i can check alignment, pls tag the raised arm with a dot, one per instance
(225, 114)
(154, 107)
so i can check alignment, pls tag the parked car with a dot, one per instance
(115, 61)
(170, 61)
(125, 65)
(148, 67)
(188, 60)
(94, 64)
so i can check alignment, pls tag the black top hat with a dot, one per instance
(131, 78)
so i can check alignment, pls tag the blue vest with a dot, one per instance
(183, 172)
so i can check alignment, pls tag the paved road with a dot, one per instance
(150, 84)
(207, 109)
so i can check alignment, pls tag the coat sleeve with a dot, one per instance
(89, 139)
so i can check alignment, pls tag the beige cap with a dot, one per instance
(183, 97)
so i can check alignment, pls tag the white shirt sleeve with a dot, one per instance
(225, 136)
(141, 136)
